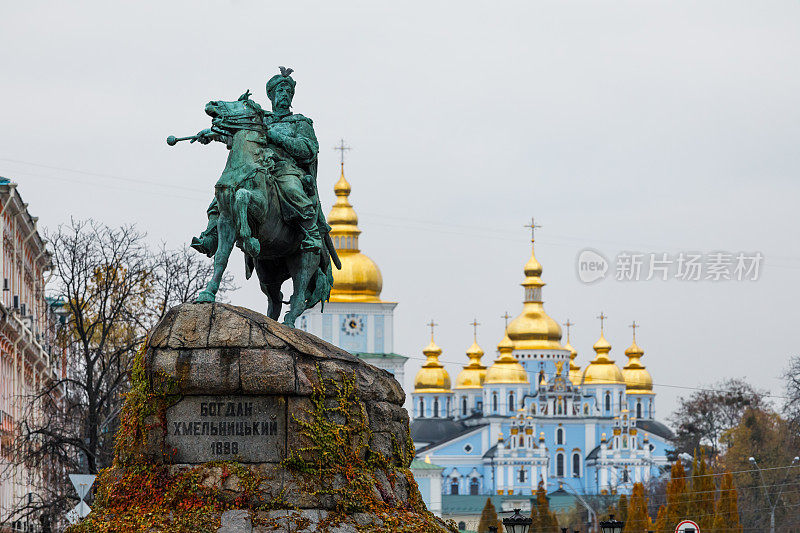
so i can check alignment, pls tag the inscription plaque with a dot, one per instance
(248, 429)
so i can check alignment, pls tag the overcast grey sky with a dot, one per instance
(650, 126)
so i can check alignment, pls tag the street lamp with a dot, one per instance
(772, 504)
(611, 525)
(516, 523)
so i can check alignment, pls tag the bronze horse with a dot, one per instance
(250, 217)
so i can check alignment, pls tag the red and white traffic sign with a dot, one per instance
(687, 526)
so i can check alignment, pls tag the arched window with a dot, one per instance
(464, 406)
(448, 410)
(521, 441)
(454, 486)
(533, 408)
(650, 409)
(422, 407)
(608, 401)
(576, 465)
(586, 408)
(494, 401)
(560, 409)
(625, 476)
(638, 408)
(511, 403)
(522, 475)
(474, 487)
(560, 436)
(560, 465)
(436, 407)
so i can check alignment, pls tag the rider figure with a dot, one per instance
(293, 155)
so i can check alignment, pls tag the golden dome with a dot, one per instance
(574, 368)
(506, 369)
(533, 329)
(432, 377)
(602, 370)
(474, 374)
(359, 279)
(637, 378)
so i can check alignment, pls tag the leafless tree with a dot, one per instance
(114, 289)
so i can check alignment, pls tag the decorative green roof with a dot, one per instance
(416, 464)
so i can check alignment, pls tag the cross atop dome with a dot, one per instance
(533, 225)
(431, 325)
(342, 148)
(475, 325)
(602, 318)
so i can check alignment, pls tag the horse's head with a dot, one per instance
(237, 115)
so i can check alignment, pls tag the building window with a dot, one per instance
(454, 486)
(474, 486)
(650, 409)
(422, 408)
(462, 525)
(436, 408)
(494, 402)
(560, 465)
(608, 401)
(625, 476)
(464, 406)
(449, 410)
(576, 465)
(521, 441)
(522, 475)
(638, 408)
(511, 403)
(586, 408)
(467, 448)
(533, 408)
(560, 436)
(560, 410)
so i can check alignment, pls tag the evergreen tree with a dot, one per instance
(637, 519)
(726, 518)
(701, 496)
(678, 499)
(544, 520)
(621, 512)
(488, 517)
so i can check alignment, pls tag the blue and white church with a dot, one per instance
(533, 416)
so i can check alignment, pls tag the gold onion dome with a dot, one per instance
(637, 378)
(574, 368)
(359, 279)
(602, 369)
(432, 377)
(474, 374)
(506, 369)
(533, 329)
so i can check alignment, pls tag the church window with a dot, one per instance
(436, 408)
(650, 409)
(560, 436)
(625, 476)
(464, 406)
(511, 403)
(608, 401)
(638, 408)
(560, 465)
(620, 400)
(560, 404)
(586, 408)
(422, 407)
(521, 441)
(576, 465)
(522, 475)
(474, 486)
(494, 402)
(454, 486)
(449, 410)
(533, 408)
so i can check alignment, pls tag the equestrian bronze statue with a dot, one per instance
(266, 200)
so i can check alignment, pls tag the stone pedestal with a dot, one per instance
(238, 423)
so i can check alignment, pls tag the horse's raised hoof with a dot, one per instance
(251, 247)
(205, 296)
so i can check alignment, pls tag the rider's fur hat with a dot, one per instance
(277, 79)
